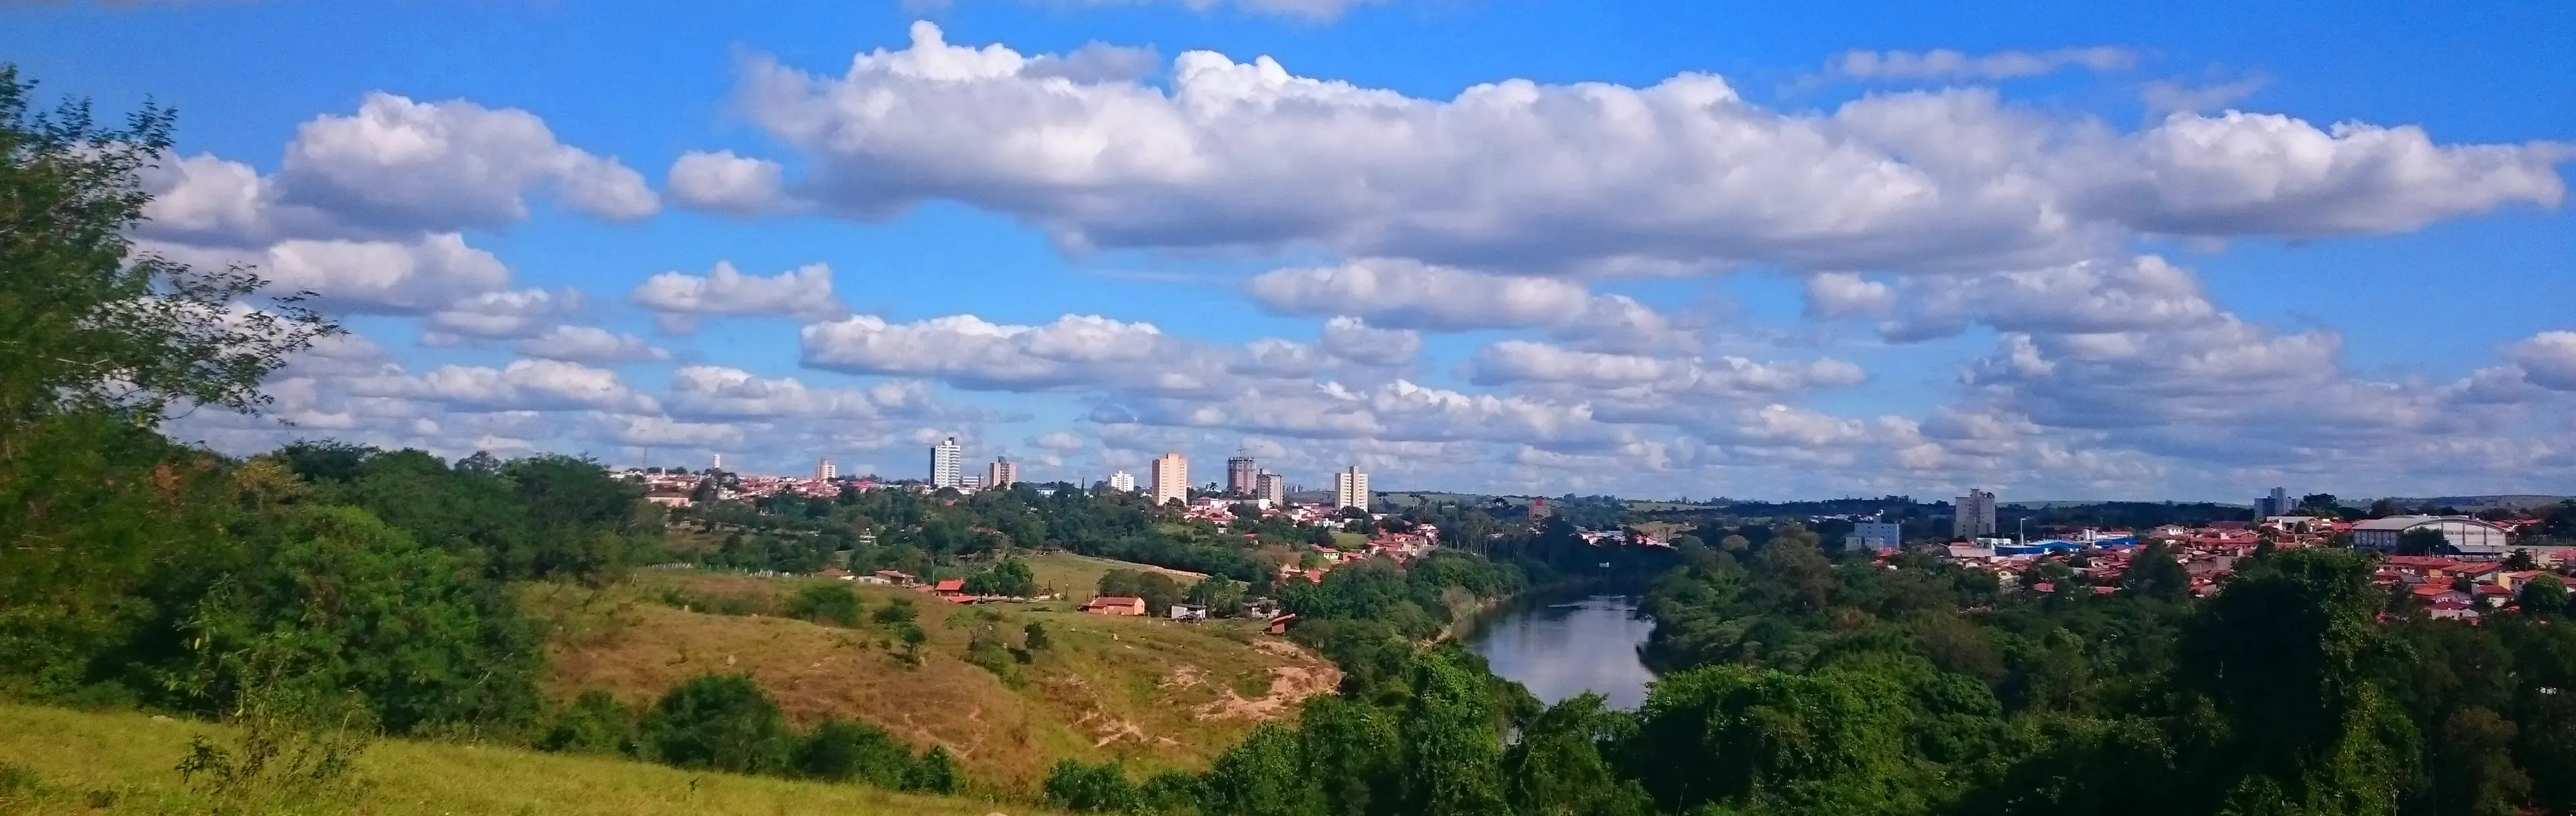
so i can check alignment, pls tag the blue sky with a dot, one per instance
(1685, 249)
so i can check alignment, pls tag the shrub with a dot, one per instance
(900, 611)
(344, 601)
(1076, 786)
(843, 751)
(987, 649)
(595, 723)
(821, 603)
(935, 773)
(1010, 578)
(719, 721)
(1037, 637)
(296, 741)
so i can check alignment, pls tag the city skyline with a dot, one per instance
(2068, 253)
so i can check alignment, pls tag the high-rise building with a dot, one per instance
(1973, 515)
(824, 470)
(1240, 477)
(947, 464)
(1271, 486)
(1350, 488)
(1171, 478)
(1874, 536)
(1122, 481)
(2277, 503)
(1002, 472)
(718, 464)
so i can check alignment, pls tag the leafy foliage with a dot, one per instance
(1011, 578)
(354, 604)
(826, 602)
(719, 721)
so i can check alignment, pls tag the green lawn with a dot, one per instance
(59, 761)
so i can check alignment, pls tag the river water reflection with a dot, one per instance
(1561, 647)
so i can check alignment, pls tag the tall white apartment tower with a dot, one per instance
(1171, 478)
(1973, 515)
(947, 464)
(1350, 488)
(824, 471)
(1271, 486)
(1122, 481)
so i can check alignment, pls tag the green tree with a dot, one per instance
(1791, 569)
(87, 322)
(1352, 753)
(1010, 578)
(1125, 583)
(595, 723)
(843, 751)
(2154, 572)
(2423, 541)
(1034, 637)
(831, 601)
(718, 721)
(898, 611)
(1831, 741)
(1263, 776)
(103, 522)
(1557, 768)
(1219, 594)
(935, 773)
(2474, 769)
(2277, 658)
(913, 639)
(1073, 785)
(2542, 595)
(348, 602)
(1452, 754)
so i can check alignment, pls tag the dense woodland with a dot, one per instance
(334, 592)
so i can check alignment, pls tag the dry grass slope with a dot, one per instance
(72, 762)
(1155, 693)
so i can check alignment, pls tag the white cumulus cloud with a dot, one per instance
(590, 344)
(404, 164)
(1683, 174)
(1943, 63)
(726, 183)
(804, 293)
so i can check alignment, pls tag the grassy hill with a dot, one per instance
(1076, 576)
(1156, 693)
(58, 761)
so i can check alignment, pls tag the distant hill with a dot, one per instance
(2514, 501)
(2055, 503)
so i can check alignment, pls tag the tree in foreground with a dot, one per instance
(98, 343)
(718, 721)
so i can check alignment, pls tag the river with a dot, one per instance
(1562, 646)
